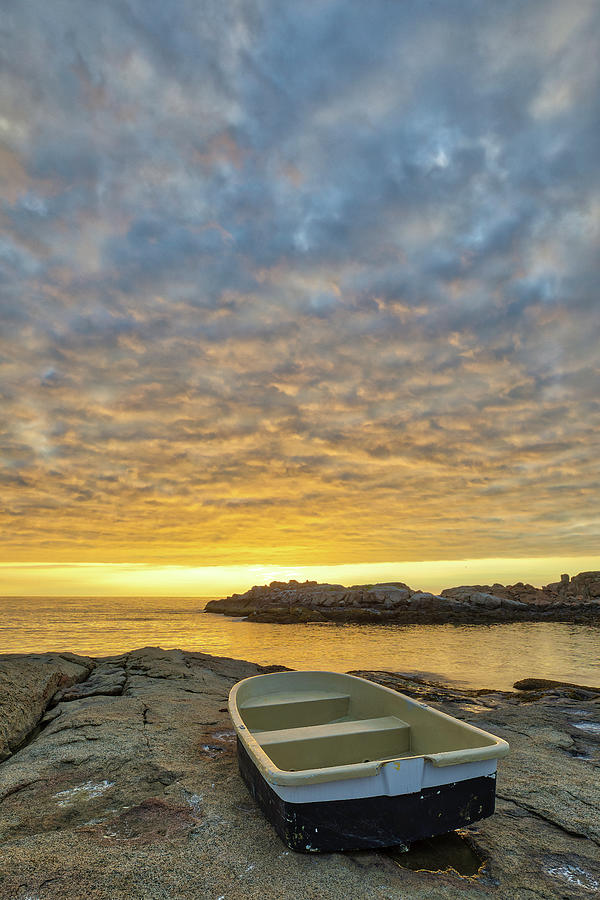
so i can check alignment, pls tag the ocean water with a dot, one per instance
(492, 656)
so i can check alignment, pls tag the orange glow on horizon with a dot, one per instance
(122, 579)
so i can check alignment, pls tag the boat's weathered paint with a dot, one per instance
(363, 823)
(338, 762)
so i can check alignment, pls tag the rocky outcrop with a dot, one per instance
(585, 586)
(396, 602)
(27, 684)
(131, 792)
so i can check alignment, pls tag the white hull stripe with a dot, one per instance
(403, 776)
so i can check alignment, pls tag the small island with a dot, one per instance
(575, 599)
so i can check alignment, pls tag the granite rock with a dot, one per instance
(135, 795)
(27, 684)
(585, 586)
(396, 602)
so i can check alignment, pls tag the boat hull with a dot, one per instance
(337, 762)
(370, 822)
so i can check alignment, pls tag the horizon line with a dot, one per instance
(62, 580)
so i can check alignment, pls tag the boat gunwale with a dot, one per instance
(275, 775)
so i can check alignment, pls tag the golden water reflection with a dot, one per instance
(473, 655)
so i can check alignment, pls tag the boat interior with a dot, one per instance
(314, 720)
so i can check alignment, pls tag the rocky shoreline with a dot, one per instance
(574, 599)
(119, 780)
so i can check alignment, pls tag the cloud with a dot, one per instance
(299, 282)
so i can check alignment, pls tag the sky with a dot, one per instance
(288, 285)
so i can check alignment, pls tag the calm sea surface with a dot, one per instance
(472, 655)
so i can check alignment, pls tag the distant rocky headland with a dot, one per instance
(575, 599)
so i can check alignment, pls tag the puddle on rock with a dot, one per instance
(446, 852)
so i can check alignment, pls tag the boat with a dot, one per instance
(337, 762)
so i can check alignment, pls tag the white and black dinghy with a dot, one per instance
(337, 762)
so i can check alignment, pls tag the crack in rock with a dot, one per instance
(539, 815)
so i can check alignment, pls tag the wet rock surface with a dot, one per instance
(131, 790)
(570, 600)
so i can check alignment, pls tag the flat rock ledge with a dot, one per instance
(574, 599)
(119, 780)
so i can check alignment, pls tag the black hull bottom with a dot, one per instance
(369, 822)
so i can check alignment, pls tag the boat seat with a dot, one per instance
(293, 697)
(290, 710)
(331, 729)
(336, 743)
